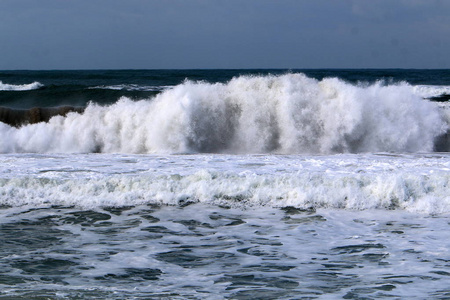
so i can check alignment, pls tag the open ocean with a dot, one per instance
(225, 184)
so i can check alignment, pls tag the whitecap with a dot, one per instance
(20, 87)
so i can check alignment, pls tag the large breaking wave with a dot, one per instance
(250, 114)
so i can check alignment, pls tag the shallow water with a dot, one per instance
(211, 252)
(209, 226)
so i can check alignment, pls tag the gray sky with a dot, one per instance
(167, 34)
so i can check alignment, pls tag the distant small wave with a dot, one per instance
(20, 87)
(432, 91)
(131, 87)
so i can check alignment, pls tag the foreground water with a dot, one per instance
(224, 226)
(209, 252)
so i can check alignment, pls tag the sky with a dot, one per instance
(225, 34)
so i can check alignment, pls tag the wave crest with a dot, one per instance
(20, 87)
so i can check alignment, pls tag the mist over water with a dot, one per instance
(289, 114)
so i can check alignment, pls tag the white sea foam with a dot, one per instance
(20, 87)
(424, 194)
(417, 183)
(269, 114)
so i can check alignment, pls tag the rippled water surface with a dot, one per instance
(211, 252)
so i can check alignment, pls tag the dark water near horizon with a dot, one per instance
(225, 184)
(78, 87)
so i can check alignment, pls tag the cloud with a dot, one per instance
(223, 34)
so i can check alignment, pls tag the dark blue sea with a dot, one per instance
(55, 88)
(225, 184)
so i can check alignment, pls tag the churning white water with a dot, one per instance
(287, 114)
(416, 182)
(217, 226)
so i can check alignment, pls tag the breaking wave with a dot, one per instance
(413, 192)
(290, 113)
(20, 87)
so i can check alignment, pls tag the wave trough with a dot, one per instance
(250, 114)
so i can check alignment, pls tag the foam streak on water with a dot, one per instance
(207, 252)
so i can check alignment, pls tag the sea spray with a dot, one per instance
(288, 114)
